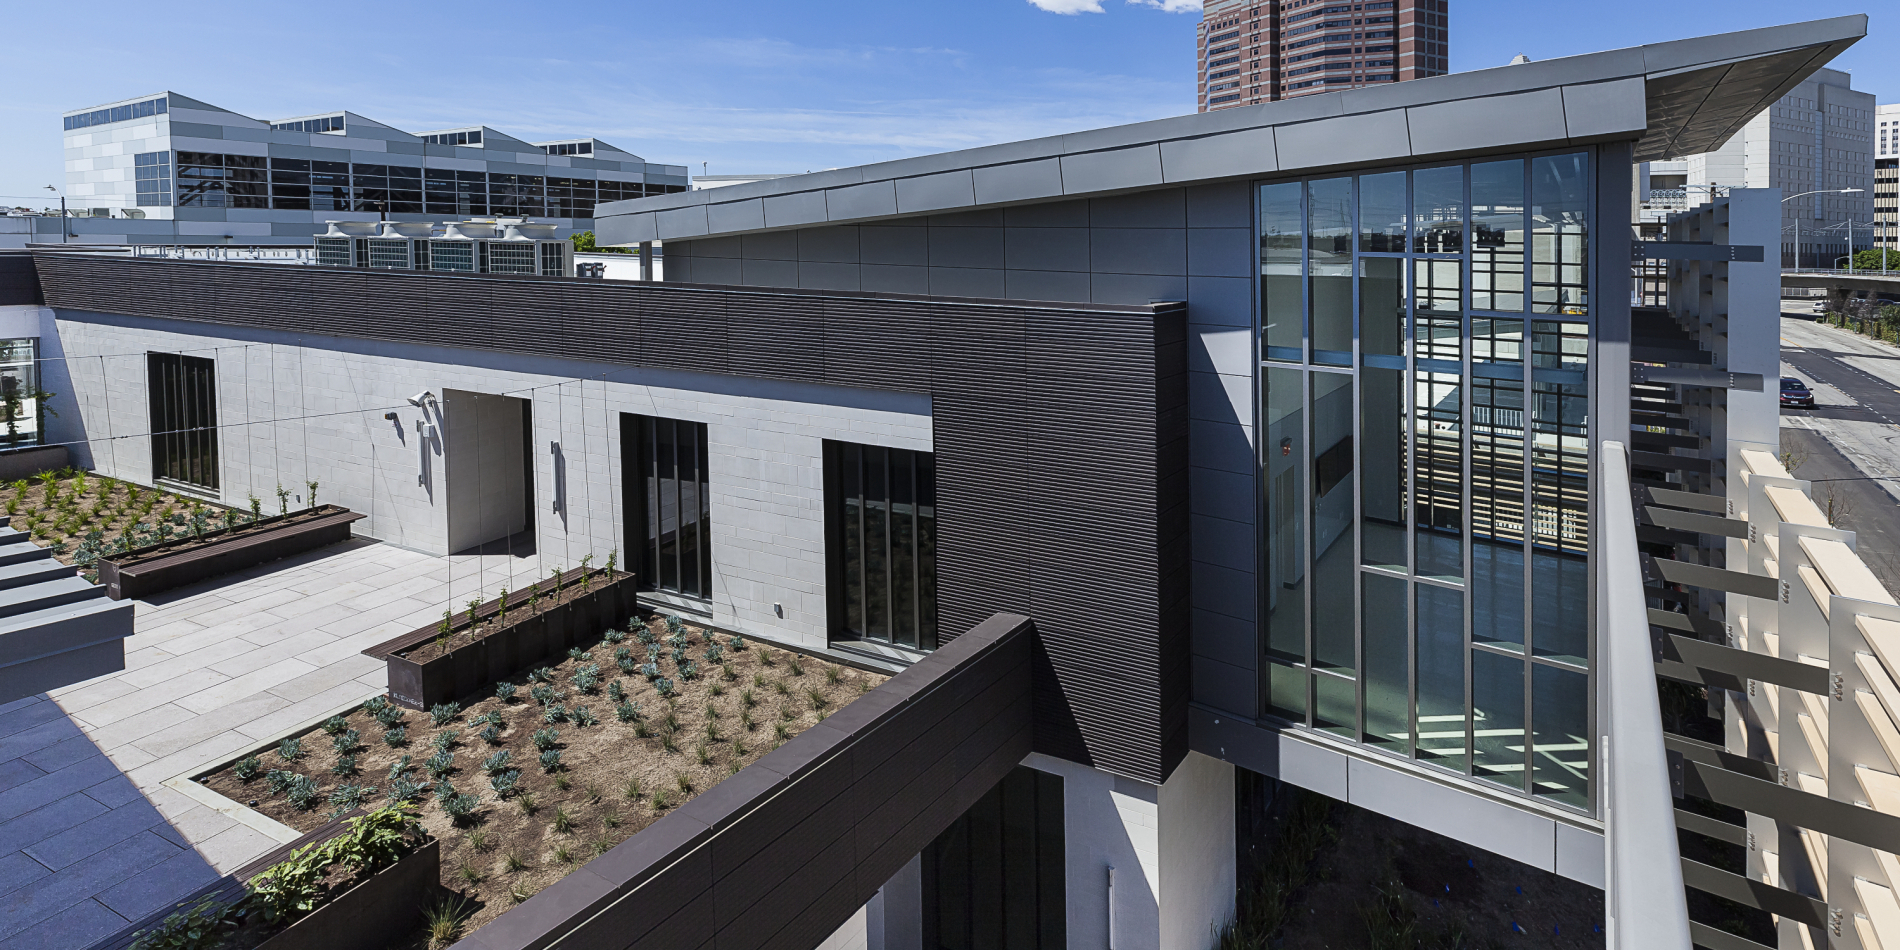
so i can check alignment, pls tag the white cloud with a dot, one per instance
(1170, 6)
(1072, 7)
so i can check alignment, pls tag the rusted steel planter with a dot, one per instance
(145, 571)
(377, 910)
(522, 643)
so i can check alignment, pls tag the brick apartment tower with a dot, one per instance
(1259, 51)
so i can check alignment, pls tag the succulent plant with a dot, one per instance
(545, 739)
(444, 713)
(334, 725)
(714, 653)
(349, 795)
(615, 692)
(613, 636)
(400, 767)
(505, 783)
(541, 675)
(584, 717)
(576, 653)
(445, 739)
(664, 687)
(650, 670)
(497, 762)
(554, 713)
(587, 682)
(346, 741)
(542, 693)
(303, 792)
(460, 807)
(439, 765)
(491, 734)
(390, 716)
(689, 671)
(675, 626)
(278, 780)
(736, 643)
(405, 789)
(626, 712)
(505, 691)
(550, 760)
(290, 749)
(345, 765)
(247, 768)
(397, 737)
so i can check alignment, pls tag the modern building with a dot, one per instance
(1887, 177)
(1816, 142)
(1253, 51)
(167, 168)
(1294, 443)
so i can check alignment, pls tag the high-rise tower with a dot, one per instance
(1251, 51)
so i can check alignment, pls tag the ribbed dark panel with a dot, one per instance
(1060, 433)
(19, 284)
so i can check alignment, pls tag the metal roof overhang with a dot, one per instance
(1668, 99)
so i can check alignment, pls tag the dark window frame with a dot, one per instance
(183, 400)
(859, 608)
(651, 446)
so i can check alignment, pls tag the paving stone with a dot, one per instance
(16, 771)
(235, 848)
(126, 731)
(49, 819)
(37, 739)
(114, 792)
(93, 692)
(160, 886)
(240, 687)
(94, 835)
(51, 787)
(76, 926)
(47, 897)
(18, 869)
(26, 717)
(65, 752)
(201, 824)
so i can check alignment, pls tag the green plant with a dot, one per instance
(200, 927)
(313, 493)
(478, 840)
(444, 917)
(555, 712)
(460, 807)
(685, 784)
(505, 692)
(817, 699)
(563, 854)
(397, 737)
(702, 754)
(290, 749)
(303, 792)
(345, 765)
(615, 692)
(745, 719)
(445, 740)
(712, 731)
(439, 765)
(584, 717)
(664, 687)
(749, 699)
(726, 670)
(541, 674)
(1263, 904)
(277, 780)
(781, 687)
(610, 818)
(561, 781)
(497, 762)
(257, 507)
(444, 713)
(525, 802)
(797, 668)
(247, 768)
(469, 875)
(403, 789)
(563, 820)
(631, 789)
(832, 676)
(545, 739)
(513, 861)
(491, 734)
(283, 500)
(587, 572)
(550, 760)
(346, 741)
(738, 748)
(390, 715)
(505, 783)
(334, 725)
(348, 796)
(443, 630)
(670, 741)
(781, 732)
(659, 801)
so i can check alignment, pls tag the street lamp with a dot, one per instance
(1797, 221)
(63, 224)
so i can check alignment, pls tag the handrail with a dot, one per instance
(1644, 902)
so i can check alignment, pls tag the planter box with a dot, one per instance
(149, 570)
(521, 644)
(376, 911)
(16, 464)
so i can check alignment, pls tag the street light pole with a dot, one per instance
(1797, 221)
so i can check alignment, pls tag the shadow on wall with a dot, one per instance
(82, 852)
(56, 376)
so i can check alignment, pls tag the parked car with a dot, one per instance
(1796, 393)
(1820, 306)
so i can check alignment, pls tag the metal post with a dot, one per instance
(646, 260)
(1642, 864)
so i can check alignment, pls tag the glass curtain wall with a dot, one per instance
(1425, 337)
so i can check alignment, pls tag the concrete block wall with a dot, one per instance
(1193, 244)
(294, 409)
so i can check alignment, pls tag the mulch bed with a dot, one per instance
(60, 512)
(615, 777)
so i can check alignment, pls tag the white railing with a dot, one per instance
(1643, 896)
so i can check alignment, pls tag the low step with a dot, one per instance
(13, 536)
(66, 590)
(22, 550)
(33, 572)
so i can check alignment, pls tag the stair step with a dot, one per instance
(33, 572)
(54, 593)
(23, 550)
(13, 535)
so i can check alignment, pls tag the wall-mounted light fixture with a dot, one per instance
(419, 398)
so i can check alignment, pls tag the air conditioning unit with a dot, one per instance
(465, 247)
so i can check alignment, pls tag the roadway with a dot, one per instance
(1849, 444)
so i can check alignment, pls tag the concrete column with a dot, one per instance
(646, 260)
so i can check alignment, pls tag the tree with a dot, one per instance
(1870, 259)
(584, 242)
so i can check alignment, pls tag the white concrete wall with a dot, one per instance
(1197, 852)
(297, 409)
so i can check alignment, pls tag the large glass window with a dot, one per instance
(994, 880)
(1424, 465)
(881, 550)
(670, 507)
(20, 392)
(153, 171)
(182, 393)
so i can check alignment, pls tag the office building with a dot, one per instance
(1817, 140)
(167, 168)
(1265, 50)
(1887, 177)
(1297, 443)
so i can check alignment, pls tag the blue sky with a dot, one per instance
(742, 85)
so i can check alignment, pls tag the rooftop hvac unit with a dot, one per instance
(465, 247)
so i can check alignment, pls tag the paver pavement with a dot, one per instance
(91, 833)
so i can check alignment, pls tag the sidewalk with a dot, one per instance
(91, 834)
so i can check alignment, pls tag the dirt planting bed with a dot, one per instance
(81, 516)
(645, 755)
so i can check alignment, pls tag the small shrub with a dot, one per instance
(404, 789)
(497, 762)
(736, 643)
(444, 713)
(678, 656)
(714, 654)
(400, 767)
(334, 725)
(586, 680)
(505, 692)
(491, 734)
(524, 800)
(346, 741)
(626, 712)
(247, 768)
(613, 636)
(290, 749)
(615, 692)
(278, 780)
(584, 717)
(542, 693)
(563, 820)
(689, 671)
(303, 793)
(348, 796)
(664, 687)
(444, 791)
(675, 626)
(545, 739)
(576, 653)
(650, 670)
(440, 765)
(660, 802)
(460, 807)
(345, 765)
(396, 738)
(550, 760)
(554, 713)
(541, 675)
(445, 739)
(505, 783)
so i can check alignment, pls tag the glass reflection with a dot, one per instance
(1382, 468)
(1329, 264)
(1497, 236)
(1560, 740)
(1438, 210)
(1386, 664)
(1285, 485)
(1438, 475)
(1436, 307)
(1282, 272)
(1497, 718)
(1382, 213)
(1497, 511)
(1286, 691)
(1560, 234)
(1333, 619)
(1381, 306)
(1335, 703)
(1439, 645)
